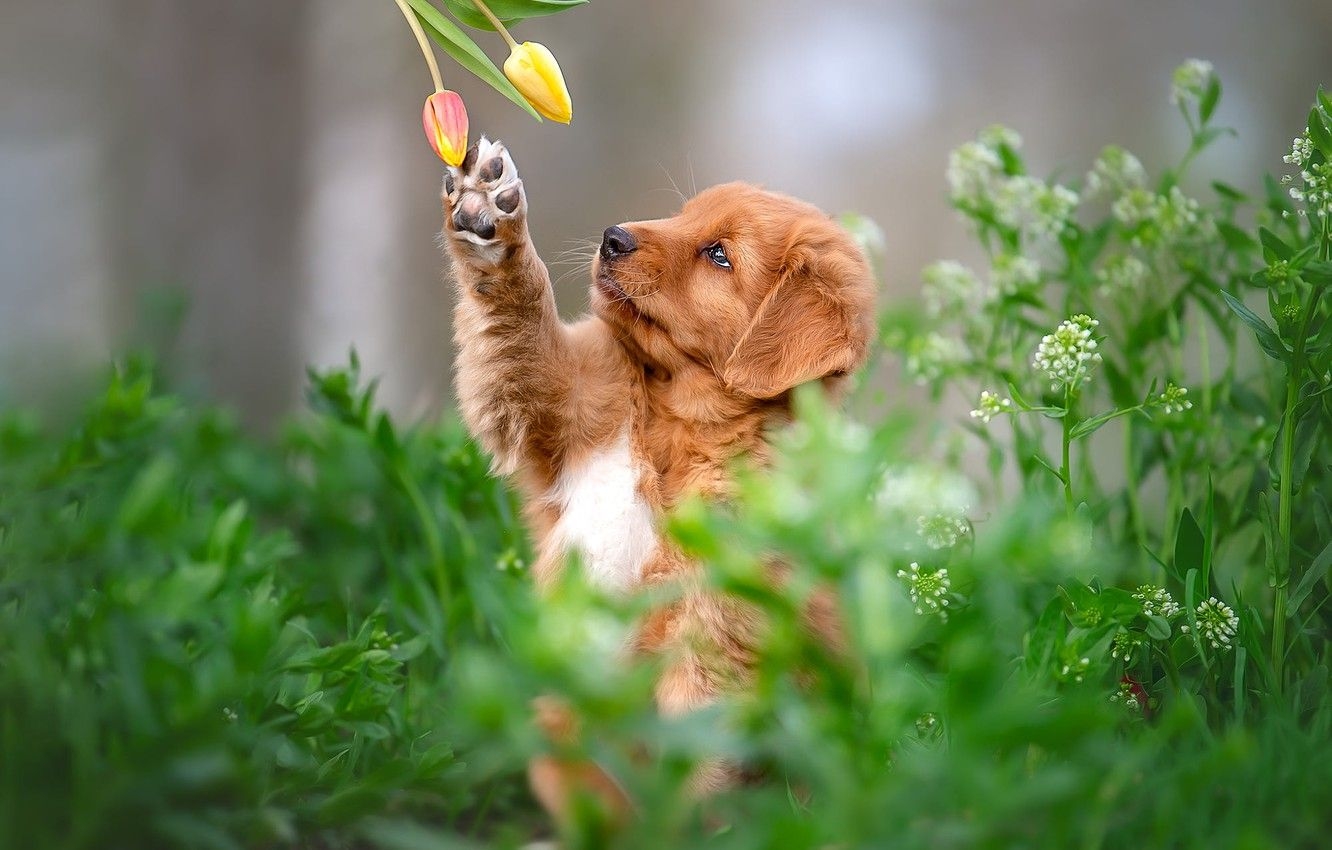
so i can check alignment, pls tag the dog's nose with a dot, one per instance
(616, 242)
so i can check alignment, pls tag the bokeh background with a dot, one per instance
(244, 185)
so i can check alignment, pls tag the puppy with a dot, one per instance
(701, 325)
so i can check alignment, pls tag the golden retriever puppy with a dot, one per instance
(701, 325)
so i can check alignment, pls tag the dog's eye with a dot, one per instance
(717, 254)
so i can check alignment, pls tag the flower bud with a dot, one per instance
(533, 71)
(445, 121)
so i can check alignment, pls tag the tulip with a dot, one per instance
(445, 121)
(533, 71)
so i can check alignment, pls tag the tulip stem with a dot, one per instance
(496, 23)
(425, 45)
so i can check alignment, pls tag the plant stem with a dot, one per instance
(1284, 504)
(1064, 466)
(1131, 479)
(496, 23)
(425, 45)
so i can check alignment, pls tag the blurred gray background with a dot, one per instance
(253, 174)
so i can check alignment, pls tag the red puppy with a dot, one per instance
(701, 325)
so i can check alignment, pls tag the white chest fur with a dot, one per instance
(603, 517)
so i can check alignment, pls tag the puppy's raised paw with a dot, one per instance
(484, 203)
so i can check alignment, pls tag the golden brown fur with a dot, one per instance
(693, 362)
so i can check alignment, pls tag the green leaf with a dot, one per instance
(1241, 656)
(464, 51)
(1317, 272)
(1209, 99)
(1230, 193)
(1158, 627)
(1189, 546)
(1267, 338)
(1236, 238)
(1325, 101)
(1316, 570)
(1319, 133)
(1272, 243)
(508, 11)
(1090, 426)
(1045, 463)
(1042, 642)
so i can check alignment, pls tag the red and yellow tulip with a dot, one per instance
(445, 120)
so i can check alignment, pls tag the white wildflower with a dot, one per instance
(1067, 355)
(1125, 696)
(918, 489)
(1167, 218)
(1156, 601)
(1076, 670)
(974, 170)
(932, 356)
(997, 135)
(1173, 399)
(1301, 151)
(1125, 645)
(1013, 273)
(1190, 81)
(950, 287)
(1177, 215)
(942, 530)
(1122, 274)
(1115, 172)
(927, 590)
(990, 406)
(1217, 623)
(1315, 189)
(1134, 207)
(1032, 206)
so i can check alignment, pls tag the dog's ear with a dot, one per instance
(815, 322)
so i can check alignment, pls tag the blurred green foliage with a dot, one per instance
(328, 640)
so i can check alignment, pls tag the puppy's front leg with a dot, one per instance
(514, 369)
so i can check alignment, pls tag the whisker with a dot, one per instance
(674, 186)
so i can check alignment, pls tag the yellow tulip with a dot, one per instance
(445, 121)
(533, 71)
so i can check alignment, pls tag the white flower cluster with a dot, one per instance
(1190, 81)
(997, 135)
(1217, 623)
(1316, 177)
(1156, 601)
(942, 530)
(938, 499)
(1179, 215)
(1124, 273)
(1115, 172)
(1013, 273)
(1163, 218)
(1033, 206)
(1173, 399)
(990, 406)
(931, 356)
(1301, 151)
(1076, 671)
(1124, 696)
(1067, 355)
(1125, 645)
(974, 170)
(928, 590)
(950, 287)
